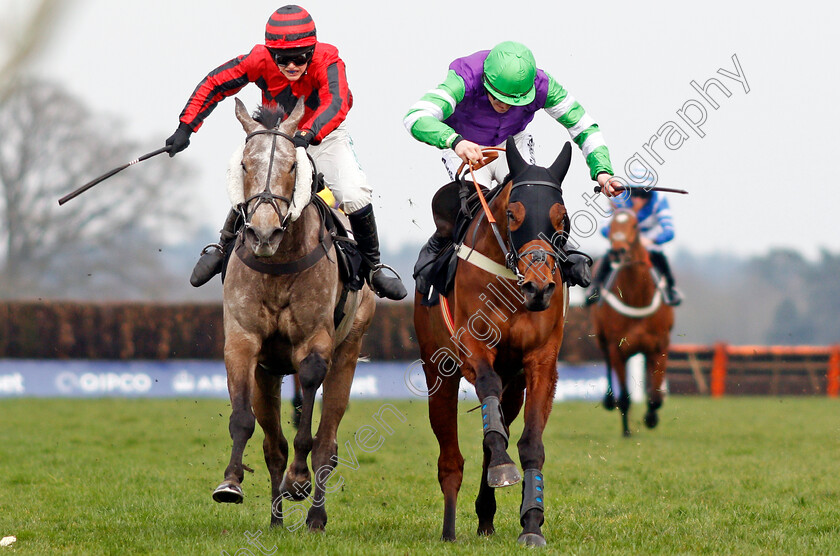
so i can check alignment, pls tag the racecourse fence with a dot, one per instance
(754, 370)
(149, 331)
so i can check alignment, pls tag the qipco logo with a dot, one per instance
(104, 383)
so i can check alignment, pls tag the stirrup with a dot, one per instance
(210, 262)
(379, 266)
(389, 287)
(207, 247)
(673, 296)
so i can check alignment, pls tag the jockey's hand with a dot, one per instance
(468, 151)
(608, 184)
(302, 138)
(179, 140)
(647, 243)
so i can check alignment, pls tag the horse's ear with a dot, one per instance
(516, 164)
(248, 123)
(290, 124)
(561, 165)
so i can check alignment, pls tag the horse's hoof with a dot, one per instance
(609, 402)
(626, 433)
(316, 527)
(503, 475)
(295, 491)
(228, 493)
(485, 530)
(651, 419)
(531, 539)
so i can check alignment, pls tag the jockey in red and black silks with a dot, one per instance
(291, 65)
(324, 85)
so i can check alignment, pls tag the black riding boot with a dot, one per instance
(213, 256)
(593, 294)
(363, 225)
(672, 294)
(424, 265)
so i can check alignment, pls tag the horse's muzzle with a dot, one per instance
(619, 254)
(263, 243)
(537, 298)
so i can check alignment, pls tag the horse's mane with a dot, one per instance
(269, 116)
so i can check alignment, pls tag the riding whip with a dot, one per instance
(628, 188)
(104, 177)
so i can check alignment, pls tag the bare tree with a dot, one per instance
(104, 243)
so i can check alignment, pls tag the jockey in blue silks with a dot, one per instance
(656, 228)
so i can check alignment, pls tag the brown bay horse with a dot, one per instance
(280, 293)
(508, 308)
(631, 318)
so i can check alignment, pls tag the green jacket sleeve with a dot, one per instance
(586, 134)
(424, 119)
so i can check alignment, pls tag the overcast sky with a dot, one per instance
(761, 176)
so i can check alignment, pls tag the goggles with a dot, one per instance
(284, 58)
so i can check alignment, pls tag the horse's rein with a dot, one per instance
(492, 153)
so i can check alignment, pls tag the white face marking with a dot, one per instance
(622, 217)
(619, 236)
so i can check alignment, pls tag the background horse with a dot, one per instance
(631, 318)
(278, 320)
(508, 315)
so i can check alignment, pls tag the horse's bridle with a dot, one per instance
(537, 254)
(266, 196)
(511, 255)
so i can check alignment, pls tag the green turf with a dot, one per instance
(736, 475)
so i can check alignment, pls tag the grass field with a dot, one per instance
(736, 475)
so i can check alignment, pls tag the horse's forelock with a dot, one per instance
(269, 116)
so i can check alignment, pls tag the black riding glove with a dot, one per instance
(179, 140)
(303, 138)
(577, 270)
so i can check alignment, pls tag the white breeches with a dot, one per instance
(336, 159)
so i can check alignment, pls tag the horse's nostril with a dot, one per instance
(276, 236)
(529, 288)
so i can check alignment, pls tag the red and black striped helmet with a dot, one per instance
(290, 27)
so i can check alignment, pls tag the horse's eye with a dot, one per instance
(509, 215)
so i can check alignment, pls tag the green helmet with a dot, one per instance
(509, 72)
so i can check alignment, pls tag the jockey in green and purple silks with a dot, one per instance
(489, 96)
(493, 94)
